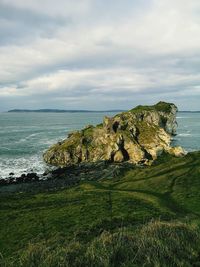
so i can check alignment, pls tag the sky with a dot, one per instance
(99, 54)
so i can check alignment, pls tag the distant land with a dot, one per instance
(189, 111)
(62, 110)
(78, 111)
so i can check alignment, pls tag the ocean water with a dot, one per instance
(25, 136)
(188, 131)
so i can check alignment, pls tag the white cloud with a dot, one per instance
(103, 82)
(107, 49)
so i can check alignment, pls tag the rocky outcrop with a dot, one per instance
(139, 136)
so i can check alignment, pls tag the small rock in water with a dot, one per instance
(3, 182)
(47, 172)
(32, 175)
(21, 178)
(11, 180)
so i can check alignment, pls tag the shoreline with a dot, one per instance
(65, 177)
(52, 172)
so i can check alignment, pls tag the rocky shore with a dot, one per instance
(29, 177)
(64, 177)
(133, 138)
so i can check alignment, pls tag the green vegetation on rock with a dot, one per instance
(160, 106)
(138, 136)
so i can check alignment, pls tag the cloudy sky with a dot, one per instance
(99, 54)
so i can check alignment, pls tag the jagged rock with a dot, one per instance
(139, 135)
(177, 151)
(118, 157)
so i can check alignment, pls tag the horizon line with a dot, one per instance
(46, 110)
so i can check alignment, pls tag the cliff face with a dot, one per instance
(138, 136)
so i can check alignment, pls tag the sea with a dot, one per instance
(25, 136)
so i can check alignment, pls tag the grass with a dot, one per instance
(160, 106)
(154, 244)
(76, 218)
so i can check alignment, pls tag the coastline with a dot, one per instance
(65, 177)
(22, 134)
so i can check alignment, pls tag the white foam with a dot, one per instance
(22, 165)
(49, 141)
(184, 134)
(26, 138)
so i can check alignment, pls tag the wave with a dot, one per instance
(26, 138)
(22, 165)
(5, 148)
(184, 134)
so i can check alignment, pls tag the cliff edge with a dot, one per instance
(139, 136)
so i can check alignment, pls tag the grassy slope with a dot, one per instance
(169, 189)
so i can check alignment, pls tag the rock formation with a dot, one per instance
(139, 136)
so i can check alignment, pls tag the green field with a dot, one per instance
(90, 221)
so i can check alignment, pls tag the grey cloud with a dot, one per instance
(19, 26)
(98, 53)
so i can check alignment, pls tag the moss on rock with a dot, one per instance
(139, 135)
